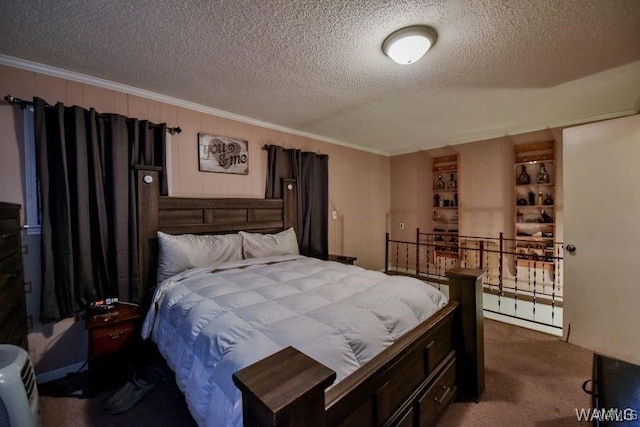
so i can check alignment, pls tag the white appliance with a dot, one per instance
(19, 404)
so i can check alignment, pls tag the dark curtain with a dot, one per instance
(89, 229)
(311, 172)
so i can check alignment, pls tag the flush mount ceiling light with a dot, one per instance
(409, 44)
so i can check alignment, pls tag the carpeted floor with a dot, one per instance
(69, 402)
(532, 379)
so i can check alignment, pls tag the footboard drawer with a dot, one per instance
(401, 380)
(438, 348)
(439, 395)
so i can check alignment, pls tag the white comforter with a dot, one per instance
(211, 322)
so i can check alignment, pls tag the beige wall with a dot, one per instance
(359, 188)
(411, 201)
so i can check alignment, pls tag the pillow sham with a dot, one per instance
(257, 245)
(180, 252)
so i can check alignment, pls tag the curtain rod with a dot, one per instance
(23, 104)
(265, 147)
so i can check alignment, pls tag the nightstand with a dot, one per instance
(112, 335)
(342, 258)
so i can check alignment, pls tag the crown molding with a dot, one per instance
(155, 96)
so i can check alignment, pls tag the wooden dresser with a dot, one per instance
(13, 312)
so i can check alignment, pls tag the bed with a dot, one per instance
(404, 370)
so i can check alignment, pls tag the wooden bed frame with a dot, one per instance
(410, 383)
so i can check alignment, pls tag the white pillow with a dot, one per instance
(257, 245)
(180, 252)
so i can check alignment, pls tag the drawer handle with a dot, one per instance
(13, 274)
(6, 236)
(115, 335)
(445, 393)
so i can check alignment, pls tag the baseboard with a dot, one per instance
(523, 323)
(61, 372)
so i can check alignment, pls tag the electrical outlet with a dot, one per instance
(402, 226)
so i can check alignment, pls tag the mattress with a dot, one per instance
(210, 322)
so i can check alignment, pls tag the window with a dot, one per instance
(32, 211)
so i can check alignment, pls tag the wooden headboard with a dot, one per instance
(179, 215)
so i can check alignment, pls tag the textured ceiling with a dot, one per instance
(499, 66)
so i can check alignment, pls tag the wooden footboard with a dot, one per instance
(411, 383)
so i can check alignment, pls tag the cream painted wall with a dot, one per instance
(411, 200)
(359, 187)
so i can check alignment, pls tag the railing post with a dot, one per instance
(386, 253)
(465, 286)
(290, 204)
(481, 254)
(500, 260)
(406, 258)
(148, 190)
(418, 252)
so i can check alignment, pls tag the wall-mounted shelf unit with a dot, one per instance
(445, 205)
(535, 195)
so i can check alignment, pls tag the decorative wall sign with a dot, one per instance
(223, 154)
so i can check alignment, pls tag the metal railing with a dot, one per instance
(523, 280)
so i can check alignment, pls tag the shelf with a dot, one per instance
(531, 261)
(450, 184)
(445, 176)
(528, 159)
(534, 152)
(523, 186)
(534, 162)
(445, 246)
(445, 164)
(445, 169)
(534, 239)
(443, 254)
